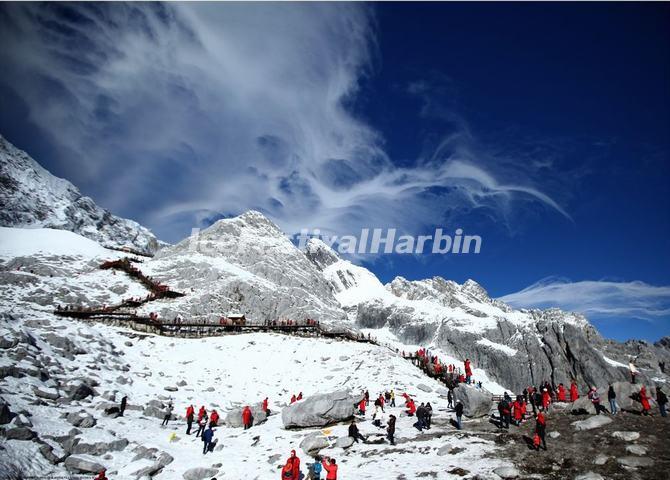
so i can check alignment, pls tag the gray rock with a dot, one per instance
(627, 436)
(171, 389)
(636, 449)
(554, 434)
(81, 392)
(424, 388)
(48, 393)
(589, 476)
(320, 410)
(81, 419)
(21, 421)
(234, 417)
(200, 473)
(81, 465)
(344, 442)
(100, 448)
(476, 402)
(5, 413)
(47, 452)
(20, 433)
(635, 461)
(181, 383)
(314, 442)
(507, 472)
(601, 459)
(595, 421)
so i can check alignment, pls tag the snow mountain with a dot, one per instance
(33, 197)
(515, 348)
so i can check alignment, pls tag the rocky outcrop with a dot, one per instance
(314, 442)
(79, 464)
(199, 473)
(320, 410)
(33, 197)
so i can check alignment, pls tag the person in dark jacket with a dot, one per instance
(355, 433)
(390, 429)
(420, 417)
(450, 398)
(122, 408)
(429, 415)
(459, 414)
(168, 415)
(611, 397)
(662, 400)
(207, 437)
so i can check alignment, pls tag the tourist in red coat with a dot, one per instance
(644, 400)
(361, 407)
(246, 417)
(574, 395)
(561, 393)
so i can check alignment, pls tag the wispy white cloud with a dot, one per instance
(598, 299)
(176, 113)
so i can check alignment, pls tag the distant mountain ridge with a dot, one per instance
(33, 197)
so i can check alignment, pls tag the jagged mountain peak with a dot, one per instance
(34, 198)
(320, 254)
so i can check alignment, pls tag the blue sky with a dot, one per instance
(543, 128)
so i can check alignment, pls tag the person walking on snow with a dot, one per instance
(361, 407)
(168, 415)
(265, 406)
(122, 408)
(246, 417)
(202, 412)
(190, 413)
(102, 475)
(411, 408)
(459, 414)
(202, 424)
(546, 399)
(214, 419)
(390, 430)
(468, 370)
(450, 398)
(207, 437)
(293, 399)
(392, 398)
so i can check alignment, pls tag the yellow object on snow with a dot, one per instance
(326, 431)
(172, 437)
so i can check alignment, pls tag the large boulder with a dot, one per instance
(234, 417)
(476, 401)
(45, 392)
(314, 442)
(80, 419)
(82, 465)
(320, 410)
(100, 448)
(20, 433)
(81, 391)
(5, 413)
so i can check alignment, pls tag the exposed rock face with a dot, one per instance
(516, 348)
(590, 423)
(244, 265)
(33, 197)
(320, 410)
(476, 402)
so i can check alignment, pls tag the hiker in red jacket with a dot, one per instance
(361, 407)
(541, 429)
(246, 417)
(561, 393)
(214, 419)
(518, 410)
(411, 407)
(265, 406)
(190, 413)
(201, 413)
(468, 370)
(574, 395)
(299, 396)
(644, 400)
(546, 399)
(330, 466)
(293, 399)
(101, 475)
(291, 470)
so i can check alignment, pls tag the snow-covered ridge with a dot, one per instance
(33, 197)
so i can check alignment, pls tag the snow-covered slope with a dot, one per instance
(33, 197)
(515, 348)
(45, 360)
(246, 265)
